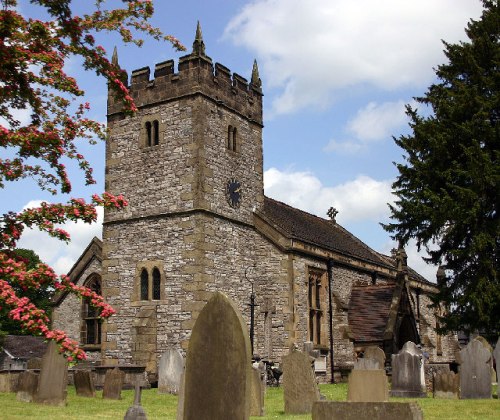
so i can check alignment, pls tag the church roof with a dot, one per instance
(24, 346)
(303, 226)
(369, 309)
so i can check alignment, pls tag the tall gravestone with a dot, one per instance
(496, 355)
(218, 364)
(408, 378)
(367, 381)
(475, 371)
(53, 378)
(300, 390)
(170, 372)
(377, 354)
(113, 384)
(256, 394)
(84, 385)
(26, 386)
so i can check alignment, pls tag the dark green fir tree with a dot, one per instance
(448, 188)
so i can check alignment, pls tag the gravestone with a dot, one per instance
(299, 383)
(475, 371)
(366, 363)
(84, 384)
(34, 363)
(496, 355)
(180, 400)
(170, 372)
(375, 353)
(327, 410)
(218, 364)
(53, 378)
(408, 378)
(367, 386)
(136, 412)
(113, 384)
(446, 384)
(256, 394)
(26, 386)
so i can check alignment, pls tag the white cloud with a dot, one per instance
(377, 121)
(313, 50)
(59, 255)
(373, 123)
(362, 199)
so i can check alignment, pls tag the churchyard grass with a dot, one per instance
(165, 406)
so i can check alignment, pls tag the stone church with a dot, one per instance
(190, 163)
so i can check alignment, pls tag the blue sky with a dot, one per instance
(336, 75)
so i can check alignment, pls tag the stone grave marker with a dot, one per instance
(170, 372)
(408, 378)
(34, 363)
(113, 384)
(84, 383)
(328, 410)
(377, 354)
(218, 364)
(496, 355)
(475, 371)
(366, 363)
(367, 386)
(136, 412)
(299, 383)
(256, 394)
(27, 386)
(53, 378)
(446, 384)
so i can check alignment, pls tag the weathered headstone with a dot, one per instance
(34, 363)
(299, 384)
(496, 355)
(366, 363)
(84, 384)
(113, 384)
(170, 372)
(256, 394)
(136, 412)
(408, 378)
(367, 386)
(376, 353)
(218, 364)
(53, 379)
(327, 410)
(475, 372)
(27, 386)
(180, 400)
(446, 384)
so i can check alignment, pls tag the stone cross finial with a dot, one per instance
(198, 44)
(332, 214)
(440, 276)
(255, 81)
(401, 258)
(114, 58)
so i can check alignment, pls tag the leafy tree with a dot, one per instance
(448, 188)
(33, 54)
(40, 297)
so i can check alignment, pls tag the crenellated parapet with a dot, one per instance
(196, 75)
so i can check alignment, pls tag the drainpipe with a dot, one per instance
(330, 311)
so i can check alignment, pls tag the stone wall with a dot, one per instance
(66, 316)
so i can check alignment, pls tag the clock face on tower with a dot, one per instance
(233, 191)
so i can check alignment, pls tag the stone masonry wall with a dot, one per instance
(66, 316)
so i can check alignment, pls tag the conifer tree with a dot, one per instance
(448, 187)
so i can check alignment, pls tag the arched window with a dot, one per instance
(144, 285)
(148, 132)
(156, 284)
(231, 138)
(156, 132)
(91, 323)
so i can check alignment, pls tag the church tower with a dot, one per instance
(190, 164)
